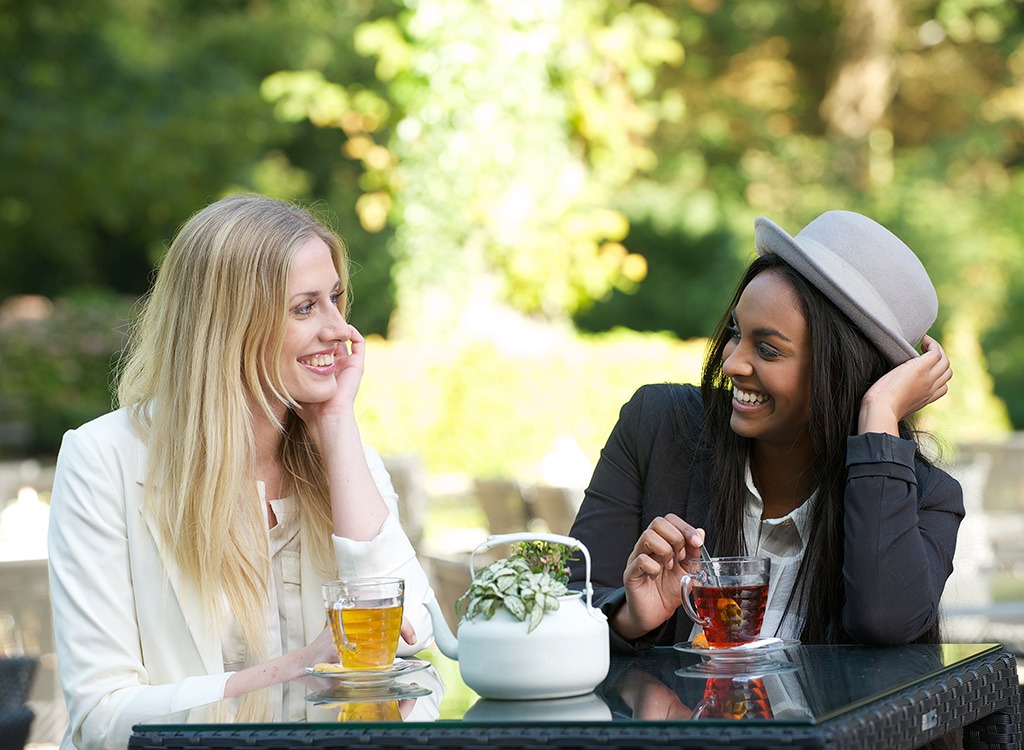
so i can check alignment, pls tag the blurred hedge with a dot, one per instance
(496, 408)
(482, 407)
(56, 366)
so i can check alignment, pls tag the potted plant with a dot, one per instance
(523, 635)
(527, 583)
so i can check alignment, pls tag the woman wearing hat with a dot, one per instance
(796, 446)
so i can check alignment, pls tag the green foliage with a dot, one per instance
(596, 157)
(56, 372)
(689, 278)
(485, 409)
(495, 144)
(120, 119)
(550, 558)
(527, 583)
(495, 409)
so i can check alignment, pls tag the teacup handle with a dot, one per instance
(686, 587)
(698, 710)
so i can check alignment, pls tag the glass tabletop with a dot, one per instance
(804, 685)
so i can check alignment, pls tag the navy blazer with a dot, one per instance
(901, 517)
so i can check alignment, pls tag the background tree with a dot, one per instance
(495, 146)
(899, 110)
(599, 159)
(119, 118)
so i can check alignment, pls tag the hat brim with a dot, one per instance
(855, 296)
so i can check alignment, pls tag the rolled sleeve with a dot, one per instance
(880, 454)
(386, 552)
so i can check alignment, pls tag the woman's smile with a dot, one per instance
(322, 363)
(743, 399)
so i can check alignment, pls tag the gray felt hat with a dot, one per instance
(867, 272)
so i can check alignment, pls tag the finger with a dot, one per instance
(646, 566)
(693, 536)
(938, 393)
(653, 540)
(355, 336)
(931, 349)
(408, 632)
(941, 371)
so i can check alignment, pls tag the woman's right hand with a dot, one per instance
(653, 574)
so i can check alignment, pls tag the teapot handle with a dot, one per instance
(530, 536)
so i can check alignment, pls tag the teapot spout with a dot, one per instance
(443, 637)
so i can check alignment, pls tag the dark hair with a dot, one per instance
(844, 364)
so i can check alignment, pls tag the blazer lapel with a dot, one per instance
(206, 644)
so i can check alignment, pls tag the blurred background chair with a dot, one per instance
(450, 578)
(409, 478)
(555, 506)
(15, 717)
(503, 504)
(26, 630)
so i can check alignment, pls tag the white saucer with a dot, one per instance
(372, 676)
(738, 654)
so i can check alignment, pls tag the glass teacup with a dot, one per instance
(729, 597)
(365, 616)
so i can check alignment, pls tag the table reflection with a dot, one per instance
(414, 697)
(805, 685)
(734, 698)
(662, 685)
(357, 711)
(589, 707)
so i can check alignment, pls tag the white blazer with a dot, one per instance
(130, 639)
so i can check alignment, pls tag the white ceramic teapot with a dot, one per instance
(566, 654)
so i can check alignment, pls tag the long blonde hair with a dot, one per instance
(205, 348)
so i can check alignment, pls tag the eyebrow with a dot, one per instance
(336, 287)
(762, 332)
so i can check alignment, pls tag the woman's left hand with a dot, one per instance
(905, 389)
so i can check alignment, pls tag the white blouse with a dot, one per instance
(782, 540)
(284, 632)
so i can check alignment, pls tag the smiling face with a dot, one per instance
(316, 328)
(768, 360)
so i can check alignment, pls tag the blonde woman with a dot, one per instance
(190, 529)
